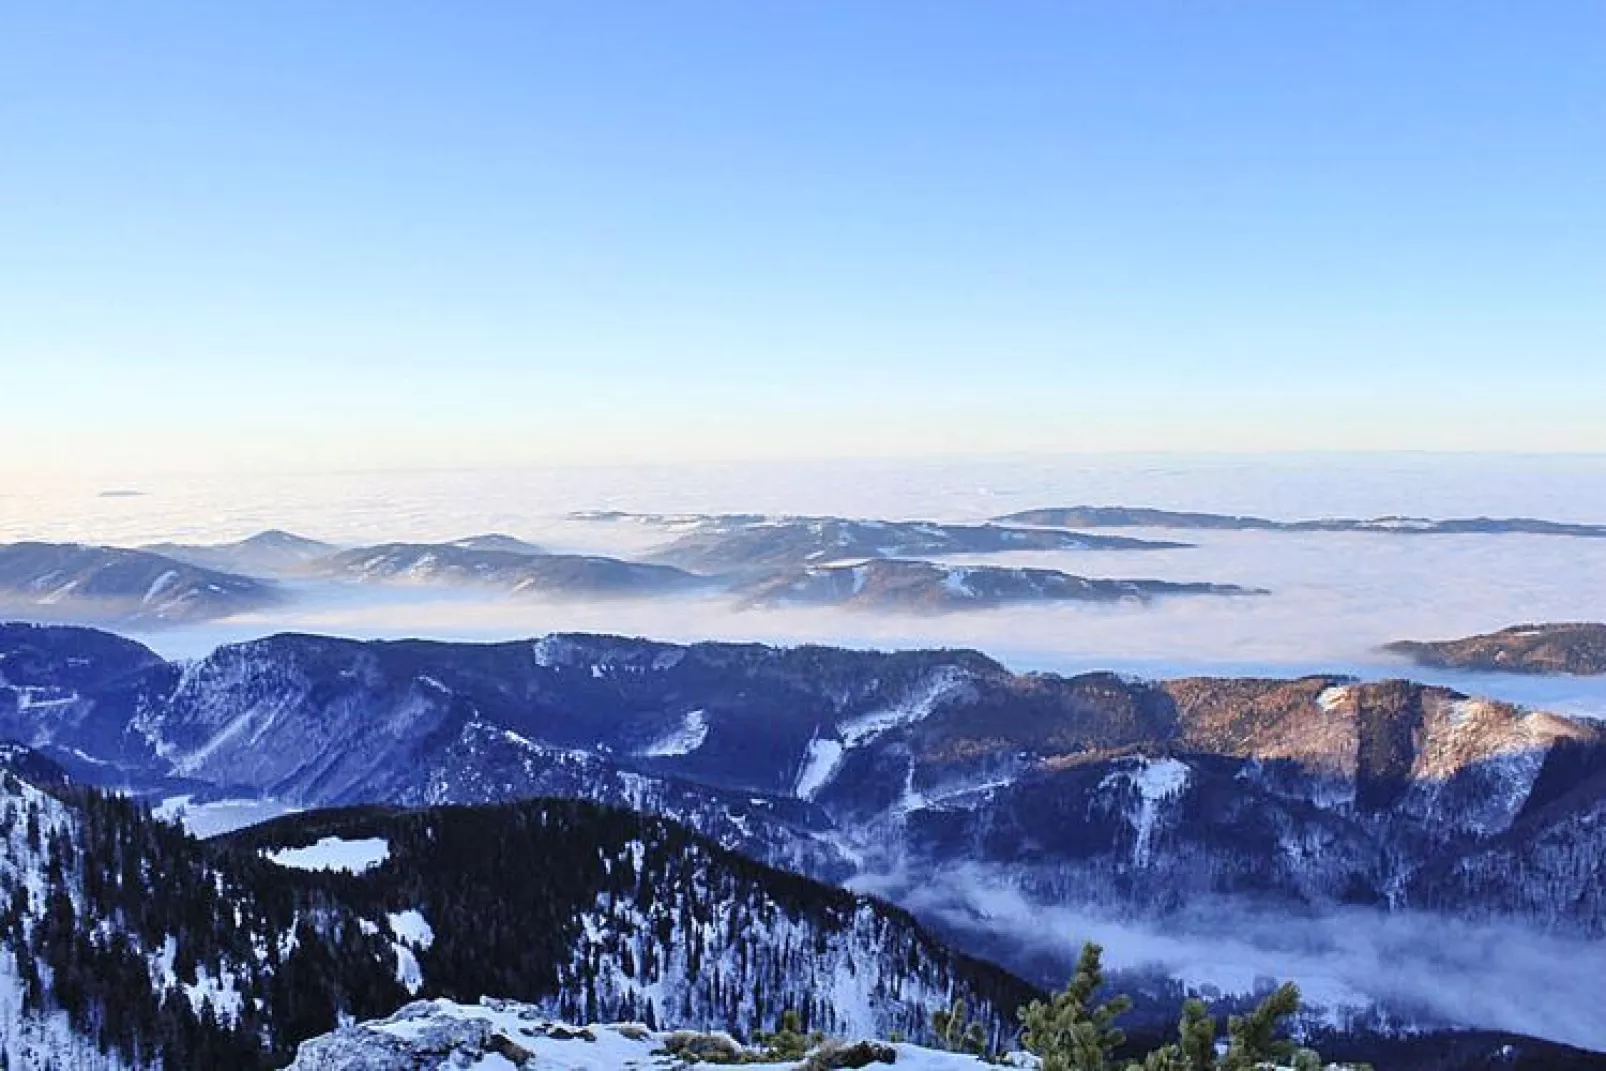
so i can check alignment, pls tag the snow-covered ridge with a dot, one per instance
(498, 1034)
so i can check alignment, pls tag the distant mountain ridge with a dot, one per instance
(749, 561)
(280, 554)
(73, 581)
(1571, 647)
(726, 545)
(1143, 517)
(269, 553)
(518, 572)
(902, 585)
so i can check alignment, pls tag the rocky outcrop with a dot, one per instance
(503, 1033)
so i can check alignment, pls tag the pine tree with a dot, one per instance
(954, 1033)
(1195, 1047)
(1253, 1038)
(789, 1042)
(1197, 1031)
(1070, 1032)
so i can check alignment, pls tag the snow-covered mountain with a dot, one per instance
(78, 582)
(516, 571)
(124, 942)
(908, 586)
(498, 541)
(1097, 788)
(270, 553)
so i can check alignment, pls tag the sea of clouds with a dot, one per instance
(1336, 597)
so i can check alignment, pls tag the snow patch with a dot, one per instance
(916, 706)
(413, 935)
(820, 762)
(825, 753)
(445, 1033)
(1156, 781)
(956, 582)
(158, 586)
(1333, 696)
(335, 853)
(412, 927)
(685, 739)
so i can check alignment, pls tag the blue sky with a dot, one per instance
(308, 234)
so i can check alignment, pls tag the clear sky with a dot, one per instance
(313, 234)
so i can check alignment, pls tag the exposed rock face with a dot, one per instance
(72, 581)
(1094, 788)
(890, 584)
(721, 545)
(1142, 517)
(1578, 648)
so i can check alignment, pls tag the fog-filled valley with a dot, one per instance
(1334, 597)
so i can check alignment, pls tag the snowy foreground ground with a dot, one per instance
(504, 1035)
(499, 1035)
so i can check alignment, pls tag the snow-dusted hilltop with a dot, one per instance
(75, 582)
(488, 563)
(283, 554)
(269, 553)
(901, 585)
